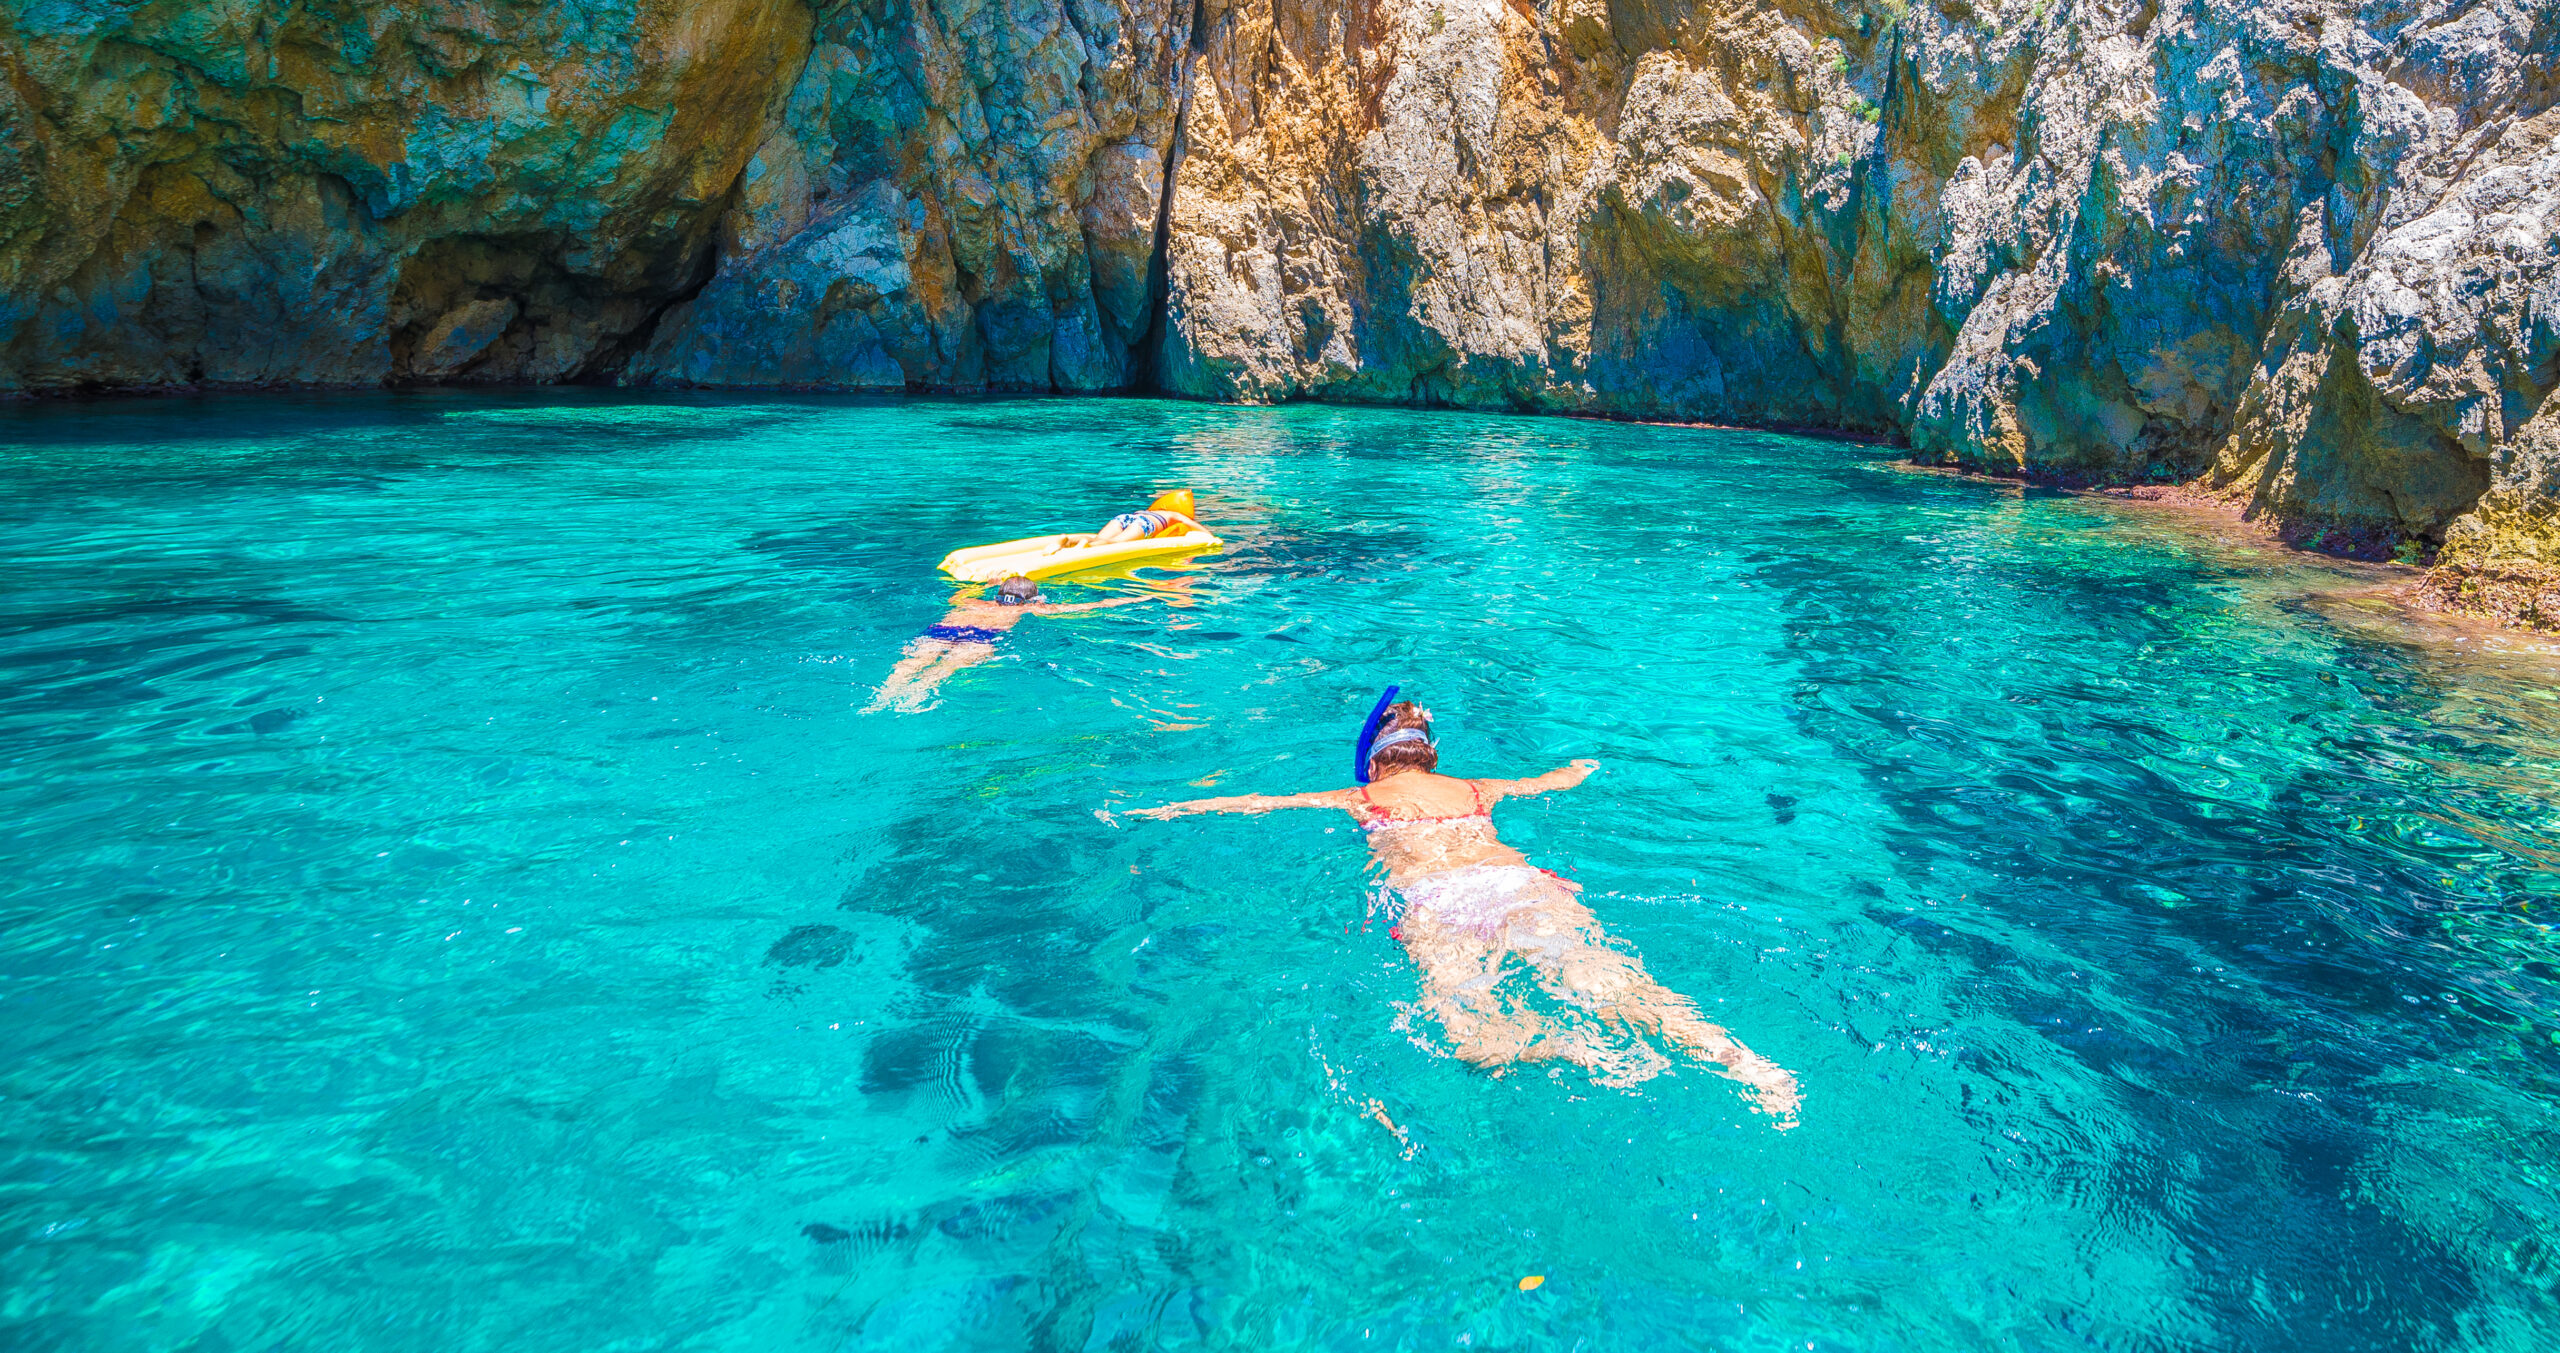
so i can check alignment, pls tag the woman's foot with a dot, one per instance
(1773, 1090)
(1773, 1087)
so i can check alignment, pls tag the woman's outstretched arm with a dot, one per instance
(1246, 803)
(1562, 777)
(1071, 607)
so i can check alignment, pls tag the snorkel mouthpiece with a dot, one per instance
(1369, 733)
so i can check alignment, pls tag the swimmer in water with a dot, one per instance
(1471, 904)
(1168, 515)
(967, 637)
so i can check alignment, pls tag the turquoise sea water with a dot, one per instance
(453, 900)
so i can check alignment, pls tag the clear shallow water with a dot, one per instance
(452, 901)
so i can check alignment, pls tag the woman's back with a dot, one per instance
(1420, 822)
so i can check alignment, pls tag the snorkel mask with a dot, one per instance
(1369, 742)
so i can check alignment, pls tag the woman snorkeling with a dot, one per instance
(967, 637)
(1471, 903)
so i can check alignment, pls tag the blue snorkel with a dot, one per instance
(1369, 732)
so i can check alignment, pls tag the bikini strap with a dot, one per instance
(1472, 788)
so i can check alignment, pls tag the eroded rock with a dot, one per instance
(265, 193)
(2301, 251)
(463, 334)
(960, 195)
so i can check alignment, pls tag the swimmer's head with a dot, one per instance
(1404, 742)
(1017, 591)
(1179, 500)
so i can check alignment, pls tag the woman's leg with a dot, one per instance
(1563, 941)
(929, 663)
(1459, 973)
(931, 679)
(920, 654)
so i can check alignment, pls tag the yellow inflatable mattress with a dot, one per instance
(1030, 557)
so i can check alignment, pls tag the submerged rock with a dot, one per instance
(2305, 253)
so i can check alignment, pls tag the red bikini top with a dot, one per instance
(1381, 817)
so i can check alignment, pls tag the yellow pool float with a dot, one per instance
(1030, 556)
(1042, 557)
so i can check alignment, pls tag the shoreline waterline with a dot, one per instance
(2427, 590)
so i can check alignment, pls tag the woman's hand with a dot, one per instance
(1160, 812)
(1562, 777)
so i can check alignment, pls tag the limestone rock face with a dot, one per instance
(961, 194)
(256, 191)
(2302, 249)
(2306, 252)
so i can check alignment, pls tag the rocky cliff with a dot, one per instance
(2305, 252)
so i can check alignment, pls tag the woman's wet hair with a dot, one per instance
(1017, 591)
(1417, 754)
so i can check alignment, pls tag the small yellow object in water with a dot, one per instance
(1530, 1283)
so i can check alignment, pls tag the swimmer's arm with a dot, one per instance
(1071, 607)
(1248, 803)
(1562, 777)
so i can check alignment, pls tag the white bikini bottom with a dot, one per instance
(1479, 899)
